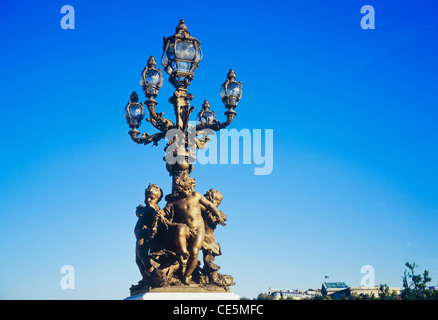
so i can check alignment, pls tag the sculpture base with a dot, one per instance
(185, 296)
(190, 288)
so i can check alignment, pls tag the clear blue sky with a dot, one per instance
(354, 114)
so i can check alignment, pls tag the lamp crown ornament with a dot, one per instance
(152, 63)
(231, 75)
(206, 105)
(134, 97)
(182, 28)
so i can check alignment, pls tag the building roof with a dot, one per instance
(335, 285)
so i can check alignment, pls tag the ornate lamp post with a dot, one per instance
(162, 264)
(181, 57)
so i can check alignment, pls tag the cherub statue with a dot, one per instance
(183, 212)
(210, 248)
(146, 229)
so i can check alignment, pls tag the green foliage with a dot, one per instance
(384, 293)
(362, 296)
(264, 296)
(414, 285)
(323, 298)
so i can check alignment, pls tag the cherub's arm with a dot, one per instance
(212, 208)
(165, 215)
(139, 211)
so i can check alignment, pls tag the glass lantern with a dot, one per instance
(231, 91)
(181, 56)
(134, 111)
(205, 116)
(151, 79)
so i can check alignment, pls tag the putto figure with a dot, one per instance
(210, 248)
(146, 229)
(185, 210)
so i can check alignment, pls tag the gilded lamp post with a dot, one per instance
(167, 252)
(181, 57)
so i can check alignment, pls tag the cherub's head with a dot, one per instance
(153, 194)
(184, 184)
(214, 196)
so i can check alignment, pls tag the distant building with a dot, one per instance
(338, 289)
(293, 294)
(313, 292)
(371, 290)
(335, 289)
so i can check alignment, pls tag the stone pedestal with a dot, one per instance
(185, 296)
(183, 292)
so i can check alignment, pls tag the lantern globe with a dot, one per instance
(151, 79)
(230, 90)
(181, 56)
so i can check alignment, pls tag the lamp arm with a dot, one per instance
(145, 137)
(230, 113)
(216, 125)
(157, 119)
